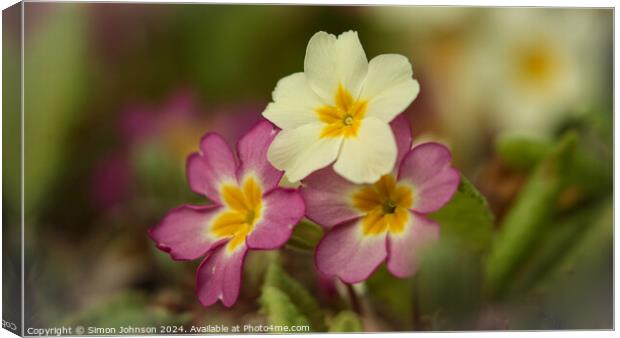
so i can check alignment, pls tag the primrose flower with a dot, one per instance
(248, 212)
(369, 223)
(339, 109)
(537, 69)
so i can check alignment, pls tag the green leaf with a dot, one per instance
(280, 309)
(467, 219)
(591, 170)
(257, 263)
(390, 295)
(527, 218)
(576, 292)
(521, 152)
(305, 237)
(448, 286)
(299, 297)
(346, 321)
(560, 241)
(584, 276)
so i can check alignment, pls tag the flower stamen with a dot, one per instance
(348, 120)
(389, 207)
(249, 218)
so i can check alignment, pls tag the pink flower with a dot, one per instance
(384, 221)
(171, 123)
(249, 211)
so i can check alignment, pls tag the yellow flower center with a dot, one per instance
(345, 118)
(244, 207)
(537, 65)
(386, 205)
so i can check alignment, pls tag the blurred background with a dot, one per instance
(117, 96)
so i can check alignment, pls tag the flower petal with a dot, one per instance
(252, 150)
(283, 209)
(216, 165)
(350, 255)
(332, 61)
(404, 248)
(328, 198)
(185, 231)
(427, 168)
(365, 158)
(219, 276)
(301, 151)
(294, 103)
(401, 127)
(389, 86)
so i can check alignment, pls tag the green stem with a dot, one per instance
(354, 299)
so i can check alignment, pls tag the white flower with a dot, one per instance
(339, 109)
(539, 67)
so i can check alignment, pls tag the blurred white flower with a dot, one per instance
(535, 67)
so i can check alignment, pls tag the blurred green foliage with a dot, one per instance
(346, 321)
(127, 309)
(522, 152)
(526, 219)
(280, 309)
(448, 284)
(392, 296)
(11, 119)
(54, 81)
(280, 291)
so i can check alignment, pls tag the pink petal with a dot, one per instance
(345, 252)
(329, 198)
(404, 249)
(207, 171)
(427, 168)
(184, 232)
(401, 127)
(282, 209)
(252, 149)
(219, 276)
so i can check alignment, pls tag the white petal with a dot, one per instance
(331, 61)
(301, 151)
(365, 158)
(352, 62)
(389, 86)
(294, 103)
